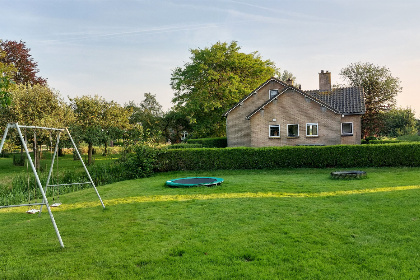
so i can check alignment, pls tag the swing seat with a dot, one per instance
(55, 204)
(32, 211)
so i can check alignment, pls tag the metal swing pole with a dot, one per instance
(4, 137)
(84, 166)
(39, 185)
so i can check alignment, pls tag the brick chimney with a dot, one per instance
(324, 81)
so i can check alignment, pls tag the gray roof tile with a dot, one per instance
(344, 100)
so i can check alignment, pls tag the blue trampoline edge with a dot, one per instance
(194, 181)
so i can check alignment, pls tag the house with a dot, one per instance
(278, 114)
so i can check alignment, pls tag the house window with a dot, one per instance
(311, 129)
(347, 128)
(292, 130)
(273, 92)
(274, 130)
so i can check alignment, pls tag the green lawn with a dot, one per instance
(259, 224)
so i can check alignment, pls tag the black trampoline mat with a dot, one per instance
(195, 181)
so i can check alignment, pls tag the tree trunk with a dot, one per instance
(37, 162)
(90, 149)
(38, 157)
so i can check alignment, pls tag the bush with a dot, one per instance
(291, 157)
(409, 138)
(140, 163)
(103, 174)
(19, 159)
(184, 146)
(25, 189)
(220, 142)
(384, 141)
(4, 154)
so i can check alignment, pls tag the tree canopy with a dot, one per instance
(399, 122)
(148, 114)
(175, 123)
(7, 71)
(214, 80)
(17, 55)
(5, 94)
(36, 105)
(97, 120)
(380, 89)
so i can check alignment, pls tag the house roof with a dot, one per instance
(346, 101)
(311, 97)
(254, 92)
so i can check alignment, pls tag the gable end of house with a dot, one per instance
(255, 91)
(323, 104)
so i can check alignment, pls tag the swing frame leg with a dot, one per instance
(38, 182)
(44, 197)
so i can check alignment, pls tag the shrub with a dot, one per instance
(4, 154)
(19, 159)
(220, 142)
(139, 163)
(184, 146)
(384, 141)
(108, 173)
(409, 138)
(291, 157)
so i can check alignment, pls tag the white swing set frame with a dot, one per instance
(41, 188)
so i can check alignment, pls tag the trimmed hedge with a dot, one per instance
(184, 146)
(290, 157)
(381, 141)
(220, 142)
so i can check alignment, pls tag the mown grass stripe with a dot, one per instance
(165, 198)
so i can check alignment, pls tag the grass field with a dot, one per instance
(259, 224)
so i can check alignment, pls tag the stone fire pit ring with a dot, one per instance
(348, 174)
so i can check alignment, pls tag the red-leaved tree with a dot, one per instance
(17, 54)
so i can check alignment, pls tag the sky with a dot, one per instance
(121, 49)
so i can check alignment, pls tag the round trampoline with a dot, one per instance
(194, 181)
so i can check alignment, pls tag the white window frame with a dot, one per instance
(269, 130)
(272, 90)
(317, 129)
(294, 136)
(346, 133)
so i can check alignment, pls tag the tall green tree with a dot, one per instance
(175, 123)
(399, 122)
(380, 89)
(97, 120)
(149, 115)
(214, 80)
(36, 106)
(116, 122)
(89, 115)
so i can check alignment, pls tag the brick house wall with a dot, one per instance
(356, 138)
(238, 129)
(293, 108)
(247, 126)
